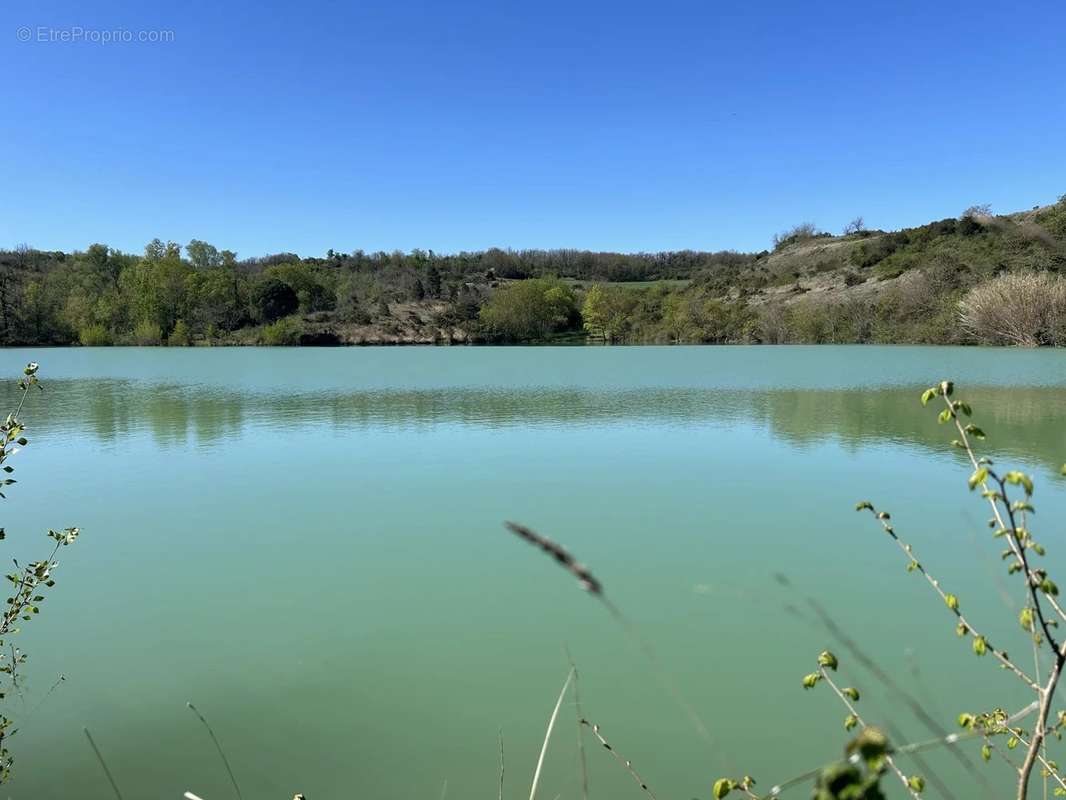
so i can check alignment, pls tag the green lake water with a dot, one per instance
(308, 544)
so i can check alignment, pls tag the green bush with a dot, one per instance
(180, 336)
(94, 336)
(1053, 219)
(147, 333)
(530, 309)
(283, 333)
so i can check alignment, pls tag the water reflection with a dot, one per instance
(1022, 421)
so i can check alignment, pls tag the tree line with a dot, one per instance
(949, 281)
(173, 294)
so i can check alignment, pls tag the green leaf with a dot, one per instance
(944, 416)
(1026, 619)
(986, 752)
(928, 395)
(851, 692)
(722, 787)
(980, 645)
(827, 659)
(1020, 478)
(979, 476)
(811, 680)
(916, 782)
(850, 721)
(952, 602)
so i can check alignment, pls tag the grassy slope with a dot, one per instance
(872, 262)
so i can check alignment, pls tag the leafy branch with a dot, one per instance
(30, 581)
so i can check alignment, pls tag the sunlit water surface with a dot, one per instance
(308, 544)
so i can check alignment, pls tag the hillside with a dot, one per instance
(865, 286)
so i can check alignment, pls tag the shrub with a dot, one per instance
(1053, 219)
(283, 333)
(1023, 309)
(772, 324)
(94, 336)
(808, 323)
(969, 226)
(870, 252)
(147, 333)
(180, 336)
(799, 233)
(977, 211)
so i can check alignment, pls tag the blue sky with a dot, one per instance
(464, 125)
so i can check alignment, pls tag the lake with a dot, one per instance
(308, 544)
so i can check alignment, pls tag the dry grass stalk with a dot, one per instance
(218, 746)
(561, 555)
(594, 587)
(500, 734)
(100, 758)
(580, 728)
(548, 736)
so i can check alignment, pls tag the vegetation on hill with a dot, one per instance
(951, 281)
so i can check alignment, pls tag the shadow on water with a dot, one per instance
(1022, 421)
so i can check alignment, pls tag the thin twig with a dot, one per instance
(36, 708)
(218, 746)
(548, 736)
(1051, 771)
(500, 735)
(886, 679)
(1033, 581)
(103, 764)
(907, 749)
(883, 517)
(580, 728)
(623, 761)
(851, 708)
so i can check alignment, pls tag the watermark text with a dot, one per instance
(76, 34)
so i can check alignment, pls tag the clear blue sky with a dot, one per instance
(463, 125)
